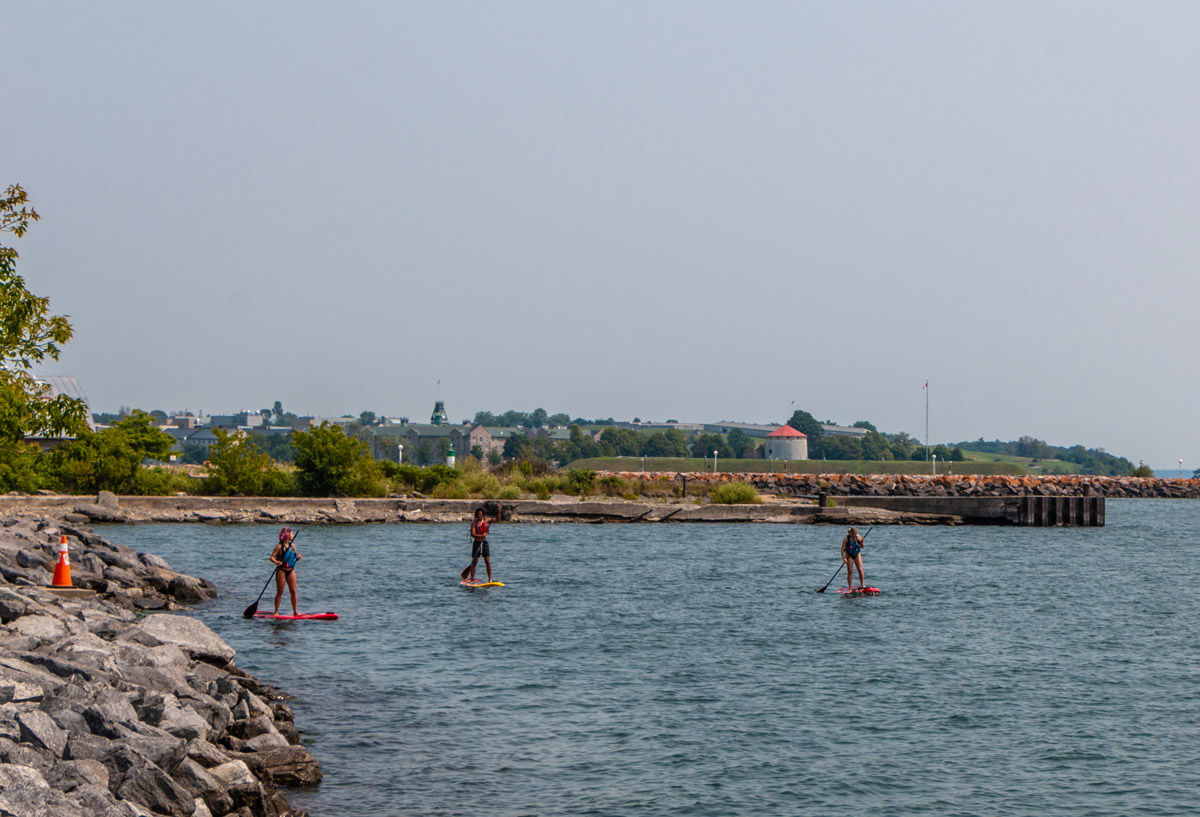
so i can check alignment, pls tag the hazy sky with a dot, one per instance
(691, 211)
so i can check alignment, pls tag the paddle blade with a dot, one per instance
(465, 571)
(250, 611)
(819, 590)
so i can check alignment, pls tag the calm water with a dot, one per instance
(693, 670)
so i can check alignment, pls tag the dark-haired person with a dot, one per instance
(852, 546)
(479, 544)
(285, 556)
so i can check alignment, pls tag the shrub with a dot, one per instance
(612, 485)
(162, 482)
(539, 488)
(509, 492)
(735, 493)
(450, 490)
(580, 481)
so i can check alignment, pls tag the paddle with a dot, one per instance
(839, 570)
(253, 608)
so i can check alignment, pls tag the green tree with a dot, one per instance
(625, 442)
(538, 417)
(239, 467)
(367, 418)
(805, 423)
(874, 446)
(329, 463)
(703, 445)
(741, 444)
(29, 335)
(517, 446)
(108, 460)
(669, 443)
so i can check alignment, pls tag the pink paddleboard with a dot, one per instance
(301, 617)
(859, 591)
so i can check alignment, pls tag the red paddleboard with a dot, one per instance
(859, 591)
(301, 617)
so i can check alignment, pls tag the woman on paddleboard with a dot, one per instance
(285, 556)
(479, 544)
(852, 546)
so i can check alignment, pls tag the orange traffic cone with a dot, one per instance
(62, 570)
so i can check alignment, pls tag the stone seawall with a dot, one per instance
(112, 707)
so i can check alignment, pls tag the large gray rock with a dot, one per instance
(70, 721)
(19, 692)
(134, 777)
(44, 628)
(12, 605)
(71, 774)
(190, 635)
(266, 742)
(287, 766)
(98, 801)
(200, 783)
(89, 747)
(99, 513)
(206, 754)
(182, 721)
(241, 785)
(39, 730)
(108, 712)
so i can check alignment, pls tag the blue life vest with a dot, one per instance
(288, 558)
(853, 548)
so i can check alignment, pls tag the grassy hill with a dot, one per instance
(1028, 466)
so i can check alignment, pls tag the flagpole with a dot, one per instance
(926, 421)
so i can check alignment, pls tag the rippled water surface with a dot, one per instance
(692, 669)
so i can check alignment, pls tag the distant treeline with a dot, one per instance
(1090, 460)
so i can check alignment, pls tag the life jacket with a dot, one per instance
(479, 529)
(853, 547)
(288, 557)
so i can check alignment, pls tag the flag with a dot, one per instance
(922, 388)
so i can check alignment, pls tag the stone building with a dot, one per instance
(786, 443)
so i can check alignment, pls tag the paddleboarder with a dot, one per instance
(284, 557)
(852, 546)
(479, 544)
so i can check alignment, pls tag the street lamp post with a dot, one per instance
(399, 453)
(714, 462)
(1181, 467)
(933, 459)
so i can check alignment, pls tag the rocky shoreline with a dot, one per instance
(111, 705)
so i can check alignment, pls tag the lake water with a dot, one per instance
(692, 669)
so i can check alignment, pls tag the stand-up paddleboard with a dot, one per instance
(474, 585)
(859, 591)
(301, 617)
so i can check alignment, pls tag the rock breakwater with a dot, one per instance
(112, 707)
(950, 485)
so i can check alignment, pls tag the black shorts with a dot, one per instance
(480, 548)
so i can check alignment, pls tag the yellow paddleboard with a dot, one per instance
(473, 585)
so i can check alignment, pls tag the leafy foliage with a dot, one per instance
(239, 467)
(108, 460)
(735, 493)
(329, 463)
(29, 335)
